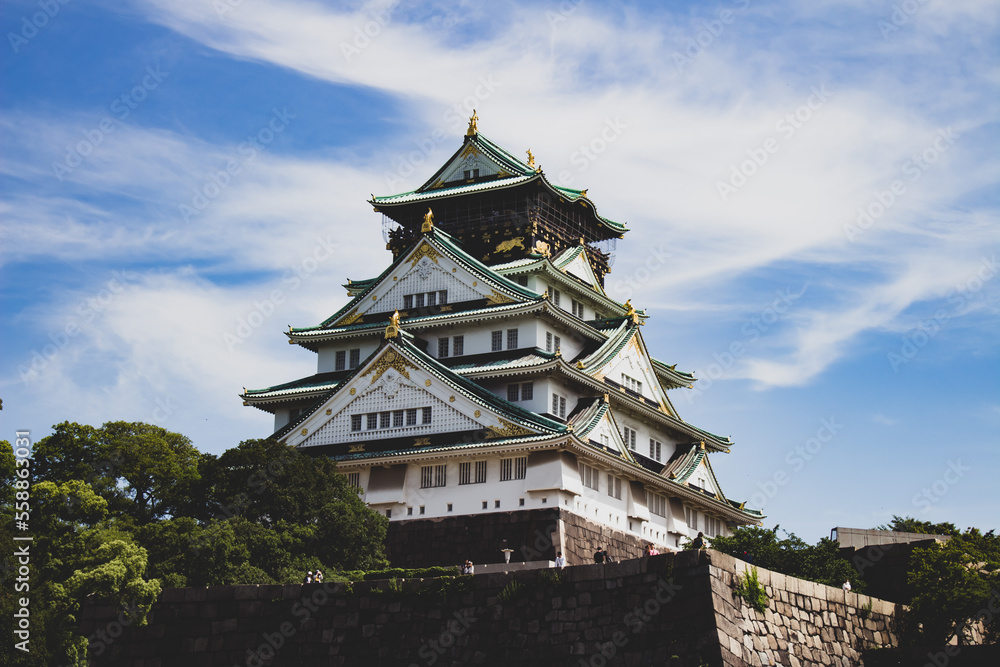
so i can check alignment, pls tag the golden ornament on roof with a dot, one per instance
(542, 248)
(531, 159)
(392, 330)
(583, 193)
(473, 129)
(428, 222)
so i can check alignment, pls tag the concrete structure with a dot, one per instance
(858, 538)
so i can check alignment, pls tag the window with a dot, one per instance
(605, 440)
(425, 415)
(691, 517)
(591, 477)
(442, 297)
(442, 348)
(552, 343)
(421, 509)
(516, 468)
(713, 526)
(433, 476)
(522, 281)
(397, 418)
(432, 298)
(511, 339)
(388, 514)
(496, 504)
(385, 419)
(657, 503)
(458, 346)
(555, 297)
(628, 435)
(497, 341)
(437, 298)
(467, 474)
(408, 301)
(559, 406)
(409, 511)
(614, 486)
(655, 452)
(418, 300)
(355, 358)
(485, 504)
(341, 362)
(527, 391)
(355, 422)
(548, 341)
(354, 479)
(371, 421)
(513, 392)
(411, 417)
(577, 308)
(449, 507)
(631, 384)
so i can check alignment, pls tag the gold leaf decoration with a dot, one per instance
(510, 244)
(389, 359)
(425, 250)
(477, 414)
(422, 442)
(496, 298)
(350, 318)
(356, 448)
(506, 430)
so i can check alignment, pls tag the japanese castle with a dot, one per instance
(484, 393)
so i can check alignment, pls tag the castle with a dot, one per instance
(484, 393)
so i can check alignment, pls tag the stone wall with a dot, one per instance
(673, 609)
(805, 623)
(532, 534)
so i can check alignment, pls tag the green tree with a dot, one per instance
(910, 525)
(955, 583)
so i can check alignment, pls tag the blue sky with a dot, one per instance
(811, 188)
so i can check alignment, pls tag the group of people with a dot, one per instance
(467, 567)
(314, 577)
(602, 556)
(651, 550)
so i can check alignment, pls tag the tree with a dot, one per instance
(911, 525)
(955, 584)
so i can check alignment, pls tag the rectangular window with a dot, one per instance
(577, 308)
(628, 435)
(497, 341)
(605, 440)
(385, 419)
(433, 476)
(458, 346)
(480, 472)
(432, 298)
(522, 281)
(425, 415)
(548, 341)
(657, 503)
(354, 479)
(516, 468)
(408, 301)
(355, 422)
(555, 297)
(421, 509)
(465, 473)
(631, 384)
(442, 297)
(614, 486)
(411, 417)
(591, 477)
(355, 358)
(442, 348)
(511, 339)
(691, 517)
(397, 418)
(559, 406)
(371, 423)
(655, 450)
(418, 300)
(558, 344)
(527, 391)
(513, 392)
(341, 362)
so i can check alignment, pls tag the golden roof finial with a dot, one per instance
(629, 310)
(583, 193)
(531, 159)
(392, 331)
(428, 222)
(473, 129)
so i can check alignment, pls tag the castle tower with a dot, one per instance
(484, 391)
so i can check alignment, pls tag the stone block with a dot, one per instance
(195, 594)
(245, 592)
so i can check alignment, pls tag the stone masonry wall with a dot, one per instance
(805, 623)
(673, 609)
(532, 534)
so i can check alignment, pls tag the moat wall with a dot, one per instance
(673, 609)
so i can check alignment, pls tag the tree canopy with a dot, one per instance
(121, 510)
